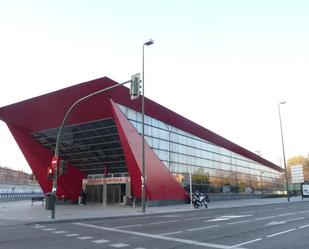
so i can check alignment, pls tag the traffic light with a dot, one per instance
(50, 173)
(135, 86)
(62, 168)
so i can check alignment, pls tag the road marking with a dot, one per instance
(201, 228)
(275, 223)
(301, 212)
(85, 237)
(183, 241)
(237, 222)
(119, 245)
(163, 234)
(265, 218)
(228, 217)
(100, 241)
(48, 229)
(245, 243)
(304, 226)
(38, 226)
(300, 218)
(280, 208)
(162, 222)
(58, 232)
(236, 216)
(197, 218)
(286, 231)
(279, 215)
(72, 235)
(137, 225)
(217, 219)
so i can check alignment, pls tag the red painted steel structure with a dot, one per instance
(47, 111)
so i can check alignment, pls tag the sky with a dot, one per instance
(222, 64)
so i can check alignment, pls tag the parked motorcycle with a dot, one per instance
(200, 199)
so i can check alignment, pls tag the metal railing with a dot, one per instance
(18, 196)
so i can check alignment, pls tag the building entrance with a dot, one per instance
(107, 190)
(115, 193)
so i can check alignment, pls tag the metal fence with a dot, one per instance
(18, 196)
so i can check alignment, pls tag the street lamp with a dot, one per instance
(146, 43)
(55, 160)
(285, 171)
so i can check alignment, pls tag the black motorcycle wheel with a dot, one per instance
(205, 204)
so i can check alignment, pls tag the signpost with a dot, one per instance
(305, 189)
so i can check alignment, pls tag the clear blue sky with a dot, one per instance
(223, 64)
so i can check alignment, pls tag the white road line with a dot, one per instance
(197, 218)
(100, 241)
(119, 245)
(162, 222)
(286, 231)
(280, 208)
(59, 232)
(265, 218)
(300, 218)
(245, 243)
(201, 228)
(248, 212)
(72, 235)
(236, 216)
(147, 235)
(163, 234)
(279, 215)
(137, 225)
(301, 212)
(218, 219)
(85, 237)
(237, 222)
(48, 229)
(304, 226)
(38, 226)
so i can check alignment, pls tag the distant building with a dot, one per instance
(101, 145)
(10, 176)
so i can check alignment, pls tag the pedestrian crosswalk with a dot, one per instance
(84, 237)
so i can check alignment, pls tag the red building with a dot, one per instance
(102, 136)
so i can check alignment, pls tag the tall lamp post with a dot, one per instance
(146, 43)
(283, 151)
(134, 92)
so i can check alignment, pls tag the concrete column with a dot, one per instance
(105, 194)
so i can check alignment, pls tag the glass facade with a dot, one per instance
(213, 168)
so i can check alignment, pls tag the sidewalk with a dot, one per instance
(16, 212)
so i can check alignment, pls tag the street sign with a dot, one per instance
(305, 189)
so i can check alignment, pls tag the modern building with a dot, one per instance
(102, 148)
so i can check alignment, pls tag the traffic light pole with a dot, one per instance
(56, 153)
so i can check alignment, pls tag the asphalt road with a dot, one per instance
(268, 226)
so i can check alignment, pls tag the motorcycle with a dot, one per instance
(199, 200)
